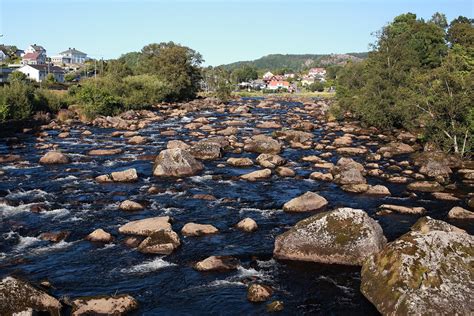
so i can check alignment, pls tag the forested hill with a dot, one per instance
(297, 62)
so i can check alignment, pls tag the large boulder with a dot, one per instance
(104, 305)
(307, 202)
(428, 271)
(21, 298)
(53, 158)
(460, 213)
(343, 236)
(263, 144)
(176, 163)
(347, 171)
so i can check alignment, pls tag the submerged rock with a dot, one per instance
(217, 263)
(307, 202)
(18, 297)
(104, 305)
(104, 152)
(424, 272)
(54, 157)
(388, 208)
(343, 236)
(176, 163)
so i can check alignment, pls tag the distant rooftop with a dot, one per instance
(47, 68)
(72, 51)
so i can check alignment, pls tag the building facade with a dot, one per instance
(40, 72)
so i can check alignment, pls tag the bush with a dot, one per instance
(97, 99)
(316, 86)
(49, 101)
(16, 101)
(144, 91)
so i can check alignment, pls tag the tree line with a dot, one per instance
(418, 76)
(164, 72)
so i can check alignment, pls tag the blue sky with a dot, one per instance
(223, 31)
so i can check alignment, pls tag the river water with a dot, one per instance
(169, 284)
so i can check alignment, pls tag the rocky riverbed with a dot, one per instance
(258, 206)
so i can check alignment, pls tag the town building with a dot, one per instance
(40, 72)
(35, 58)
(70, 56)
(3, 55)
(314, 72)
(278, 84)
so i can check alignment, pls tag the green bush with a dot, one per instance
(143, 91)
(16, 101)
(97, 99)
(49, 101)
(316, 86)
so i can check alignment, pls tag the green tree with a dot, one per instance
(440, 20)
(316, 86)
(176, 65)
(461, 31)
(17, 76)
(244, 74)
(445, 96)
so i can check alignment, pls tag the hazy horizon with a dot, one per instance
(222, 31)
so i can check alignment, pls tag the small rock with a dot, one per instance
(193, 229)
(217, 263)
(247, 225)
(307, 202)
(275, 306)
(129, 175)
(460, 213)
(130, 206)
(259, 293)
(54, 157)
(240, 162)
(257, 175)
(162, 242)
(104, 305)
(99, 235)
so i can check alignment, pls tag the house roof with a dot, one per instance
(38, 47)
(72, 51)
(317, 70)
(51, 69)
(33, 56)
(279, 82)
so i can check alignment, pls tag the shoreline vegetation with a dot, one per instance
(419, 77)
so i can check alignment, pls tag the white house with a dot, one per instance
(36, 49)
(3, 56)
(70, 56)
(267, 76)
(313, 72)
(39, 72)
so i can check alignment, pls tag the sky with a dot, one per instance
(223, 31)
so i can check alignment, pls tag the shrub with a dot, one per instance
(16, 101)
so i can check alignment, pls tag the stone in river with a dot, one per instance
(307, 202)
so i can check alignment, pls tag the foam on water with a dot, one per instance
(7, 210)
(35, 193)
(265, 213)
(26, 242)
(53, 247)
(57, 213)
(149, 266)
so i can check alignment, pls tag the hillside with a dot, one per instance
(297, 62)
